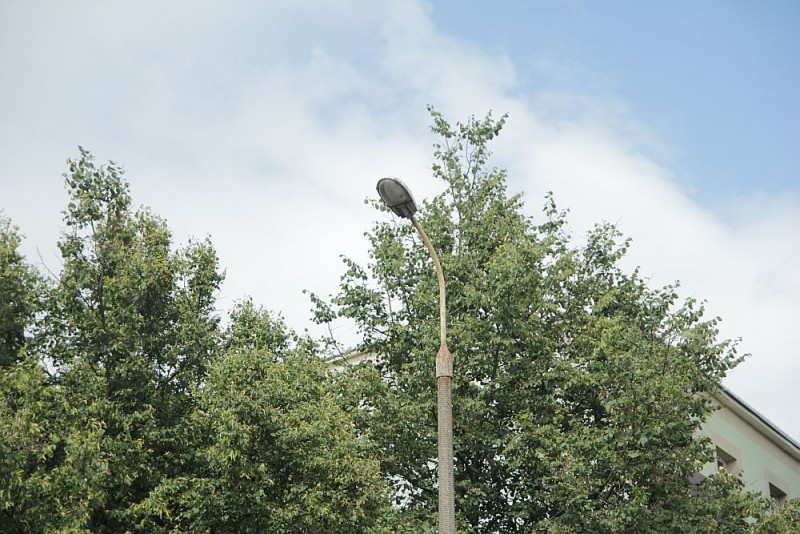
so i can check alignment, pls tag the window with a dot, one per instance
(777, 494)
(726, 462)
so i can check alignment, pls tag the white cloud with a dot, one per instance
(745, 267)
(265, 127)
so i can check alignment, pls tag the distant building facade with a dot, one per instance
(748, 443)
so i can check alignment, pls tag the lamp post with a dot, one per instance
(398, 198)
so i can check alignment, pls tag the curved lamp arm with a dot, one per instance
(444, 360)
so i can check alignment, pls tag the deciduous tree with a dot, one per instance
(125, 406)
(579, 390)
(20, 292)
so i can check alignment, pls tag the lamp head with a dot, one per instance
(397, 196)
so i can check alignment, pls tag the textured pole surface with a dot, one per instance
(444, 403)
(447, 509)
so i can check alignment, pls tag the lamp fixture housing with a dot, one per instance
(397, 197)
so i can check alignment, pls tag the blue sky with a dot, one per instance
(718, 80)
(264, 125)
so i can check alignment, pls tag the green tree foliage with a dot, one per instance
(20, 287)
(52, 467)
(578, 391)
(130, 327)
(279, 454)
(276, 448)
(125, 406)
(782, 520)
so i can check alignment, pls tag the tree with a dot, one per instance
(48, 464)
(130, 327)
(20, 288)
(52, 466)
(126, 406)
(578, 390)
(785, 519)
(276, 449)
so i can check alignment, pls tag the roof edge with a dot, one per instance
(764, 426)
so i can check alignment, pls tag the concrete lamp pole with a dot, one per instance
(398, 198)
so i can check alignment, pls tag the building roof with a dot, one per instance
(763, 425)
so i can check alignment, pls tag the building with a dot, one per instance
(748, 443)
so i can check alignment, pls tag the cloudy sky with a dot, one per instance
(265, 125)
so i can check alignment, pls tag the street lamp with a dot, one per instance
(398, 198)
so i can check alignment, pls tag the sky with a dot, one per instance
(265, 125)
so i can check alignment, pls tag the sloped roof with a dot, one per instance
(764, 426)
